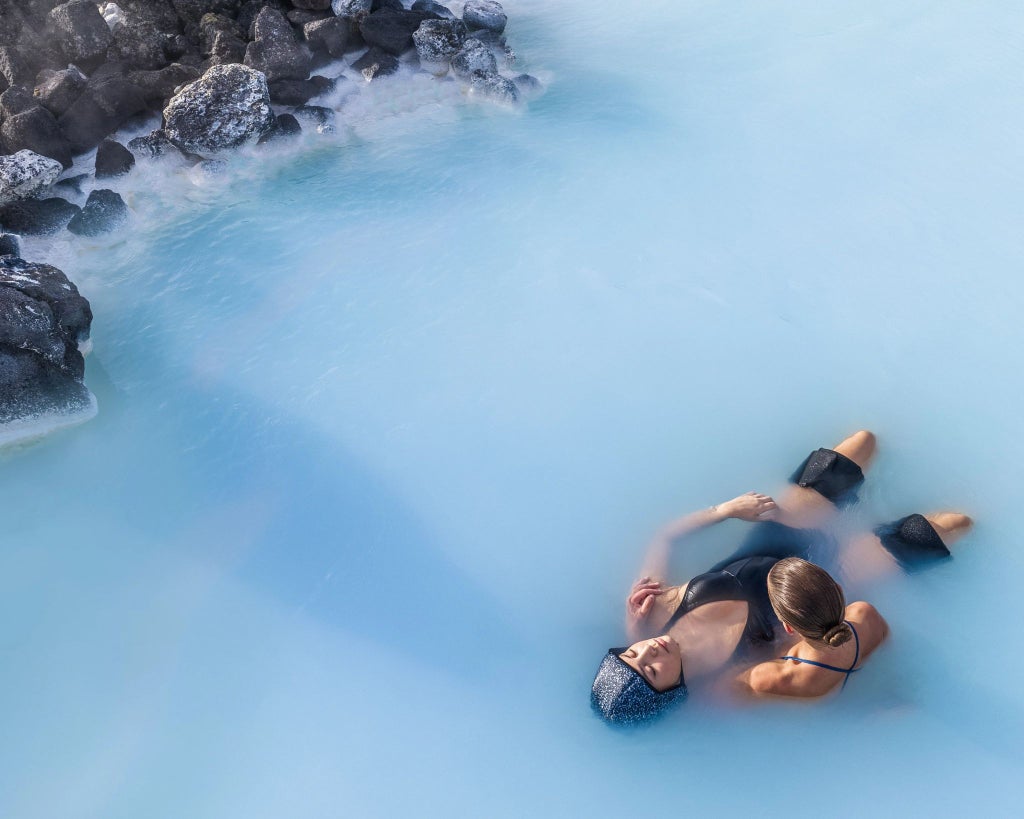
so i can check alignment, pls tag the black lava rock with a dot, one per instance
(299, 17)
(472, 59)
(108, 101)
(147, 25)
(104, 211)
(391, 30)
(250, 10)
(495, 86)
(190, 12)
(352, 8)
(437, 41)
(496, 43)
(226, 49)
(284, 126)
(113, 159)
(16, 100)
(71, 184)
(527, 83)
(213, 24)
(9, 245)
(331, 36)
(16, 67)
(443, 12)
(37, 217)
(275, 50)
(153, 146)
(225, 108)
(298, 92)
(376, 63)
(56, 90)
(319, 116)
(35, 129)
(158, 86)
(42, 320)
(81, 31)
(486, 14)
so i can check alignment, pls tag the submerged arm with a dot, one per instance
(639, 604)
(751, 507)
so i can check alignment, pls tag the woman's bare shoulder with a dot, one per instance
(868, 619)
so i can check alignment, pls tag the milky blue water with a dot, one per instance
(385, 420)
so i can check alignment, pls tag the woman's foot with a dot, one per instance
(950, 526)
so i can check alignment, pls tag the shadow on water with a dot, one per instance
(208, 473)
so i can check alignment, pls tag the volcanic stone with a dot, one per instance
(35, 129)
(43, 318)
(376, 63)
(113, 159)
(81, 30)
(329, 36)
(25, 174)
(104, 211)
(37, 217)
(275, 50)
(473, 58)
(226, 107)
(57, 90)
(391, 30)
(484, 14)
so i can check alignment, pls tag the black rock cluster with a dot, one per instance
(221, 73)
(43, 322)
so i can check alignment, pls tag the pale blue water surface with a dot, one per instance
(385, 420)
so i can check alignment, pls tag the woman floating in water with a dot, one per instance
(685, 633)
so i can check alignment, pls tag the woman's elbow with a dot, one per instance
(762, 680)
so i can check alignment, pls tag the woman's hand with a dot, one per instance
(751, 506)
(641, 598)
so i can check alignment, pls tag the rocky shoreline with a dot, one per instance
(221, 74)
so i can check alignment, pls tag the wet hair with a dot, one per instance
(623, 695)
(806, 598)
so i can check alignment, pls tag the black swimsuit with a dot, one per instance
(745, 579)
(744, 575)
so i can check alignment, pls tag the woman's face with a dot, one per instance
(658, 660)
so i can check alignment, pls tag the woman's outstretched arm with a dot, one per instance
(751, 507)
(652, 584)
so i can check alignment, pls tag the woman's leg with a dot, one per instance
(804, 508)
(865, 557)
(950, 526)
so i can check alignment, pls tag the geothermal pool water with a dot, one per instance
(385, 421)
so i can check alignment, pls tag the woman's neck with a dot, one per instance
(665, 606)
(708, 635)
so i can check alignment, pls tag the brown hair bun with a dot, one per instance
(837, 635)
(806, 598)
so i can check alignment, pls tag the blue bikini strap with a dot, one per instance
(846, 671)
(856, 646)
